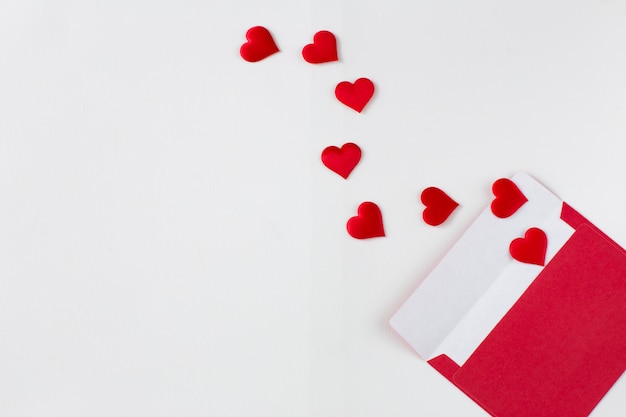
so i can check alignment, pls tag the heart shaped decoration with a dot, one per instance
(439, 206)
(508, 198)
(342, 160)
(323, 49)
(530, 249)
(355, 95)
(367, 223)
(260, 44)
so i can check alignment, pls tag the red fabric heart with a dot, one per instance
(323, 49)
(260, 44)
(508, 198)
(530, 249)
(342, 160)
(439, 206)
(356, 95)
(367, 223)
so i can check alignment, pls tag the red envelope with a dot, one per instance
(557, 344)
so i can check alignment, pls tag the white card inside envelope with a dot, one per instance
(478, 281)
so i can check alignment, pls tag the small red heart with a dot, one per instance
(355, 95)
(367, 223)
(530, 249)
(439, 206)
(323, 49)
(260, 44)
(342, 160)
(508, 198)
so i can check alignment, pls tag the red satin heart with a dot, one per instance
(355, 95)
(439, 206)
(342, 160)
(367, 223)
(323, 49)
(508, 198)
(531, 248)
(260, 44)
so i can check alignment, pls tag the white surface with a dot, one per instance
(478, 281)
(171, 245)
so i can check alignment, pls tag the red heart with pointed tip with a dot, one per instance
(355, 95)
(530, 249)
(323, 49)
(342, 160)
(367, 223)
(508, 198)
(439, 206)
(260, 44)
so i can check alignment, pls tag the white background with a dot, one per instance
(170, 243)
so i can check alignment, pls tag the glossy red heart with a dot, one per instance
(342, 160)
(260, 44)
(508, 198)
(439, 206)
(367, 223)
(323, 49)
(531, 248)
(355, 95)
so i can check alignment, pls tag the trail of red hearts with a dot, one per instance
(438, 206)
(343, 160)
(356, 95)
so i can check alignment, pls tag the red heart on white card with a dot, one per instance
(260, 44)
(323, 49)
(342, 160)
(508, 198)
(439, 206)
(531, 248)
(355, 95)
(367, 223)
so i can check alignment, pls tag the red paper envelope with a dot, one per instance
(522, 339)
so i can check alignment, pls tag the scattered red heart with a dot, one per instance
(323, 49)
(531, 248)
(342, 160)
(367, 223)
(439, 206)
(355, 95)
(508, 198)
(260, 44)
